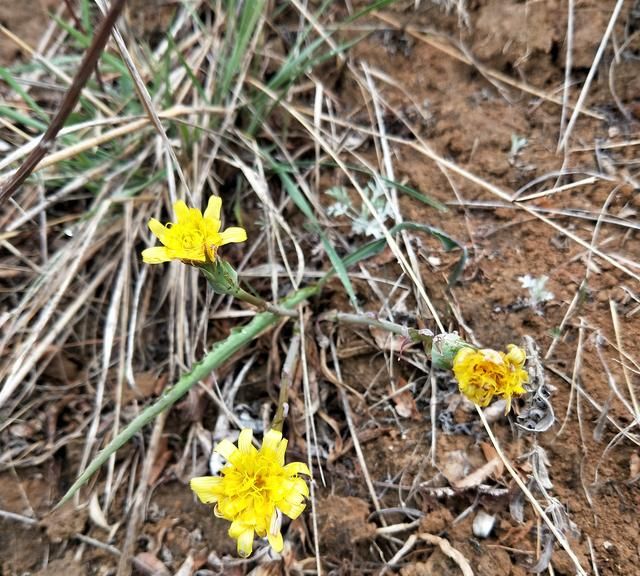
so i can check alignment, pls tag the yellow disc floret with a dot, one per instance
(194, 237)
(483, 374)
(255, 488)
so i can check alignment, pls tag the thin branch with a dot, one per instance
(68, 103)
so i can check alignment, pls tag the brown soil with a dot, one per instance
(465, 118)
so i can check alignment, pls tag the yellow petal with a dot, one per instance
(213, 208)
(516, 355)
(296, 468)
(493, 356)
(244, 440)
(271, 440)
(233, 234)
(282, 448)
(226, 449)
(238, 528)
(156, 255)
(245, 543)
(463, 355)
(181, 210)
(206, 488)
(158, 229)
(276, 541)
(300, 489)
(291, 509)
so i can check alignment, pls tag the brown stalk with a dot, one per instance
(68, 102)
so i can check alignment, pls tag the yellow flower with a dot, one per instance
(255, 488)
(194, 237)
(483, 374)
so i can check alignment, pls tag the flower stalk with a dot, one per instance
(223, 279)
(424, 336)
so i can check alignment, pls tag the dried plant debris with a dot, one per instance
(535, 412)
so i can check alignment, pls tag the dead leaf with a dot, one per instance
(454, 466)
(479, 475)
(405, 403)
(149, 565)
(186, 569)
(490, 453)
(271, 568)
(387, 341)
(337, 447)
(67, 566)
(96, 514)
(25, 430)
(61, 368)
(161, 461)
(148, 383)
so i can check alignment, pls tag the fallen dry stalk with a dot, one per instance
(449, 551)
(536, 505)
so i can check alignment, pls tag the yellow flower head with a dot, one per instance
(255, 488)
(483, 374)
(194, 237)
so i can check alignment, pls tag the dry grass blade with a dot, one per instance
(69, 102)
(145, 97)
(311, 437)
(592, 72)
(625, 370)
(365, 200)
(541, 513)
(35, 345)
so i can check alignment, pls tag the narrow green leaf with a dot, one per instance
(196, 83)
(19, 117)
(397, 185)
(241, 31)
(376, 246)
(9, 79)
(415, 194)
(336, 261)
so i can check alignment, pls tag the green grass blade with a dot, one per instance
(84, 40)
(336, 261)
(194, 81)
(415, 194)
(9, 79)
(237, 42)
(400, 187)
(376, 246)
(19, 117)
(85, 15)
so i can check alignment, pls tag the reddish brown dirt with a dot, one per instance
(471, 122)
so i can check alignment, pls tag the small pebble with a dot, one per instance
(483, 524)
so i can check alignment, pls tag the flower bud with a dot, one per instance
(444, 349)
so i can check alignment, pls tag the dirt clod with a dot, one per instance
(343, 523)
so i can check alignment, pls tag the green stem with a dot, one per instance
(261, 304)
(223, 279)
(413, 334)
(221, 352)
